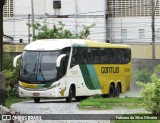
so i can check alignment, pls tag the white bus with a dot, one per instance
(73, 68)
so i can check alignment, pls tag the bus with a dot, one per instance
(73, 68)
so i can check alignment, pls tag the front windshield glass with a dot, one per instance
(38, 66)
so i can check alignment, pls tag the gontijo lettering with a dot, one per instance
(109, 69)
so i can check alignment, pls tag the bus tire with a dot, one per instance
(36, 100)
(70, 96)
(118, 90)
(111, 90)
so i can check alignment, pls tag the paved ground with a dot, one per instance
(59, 106)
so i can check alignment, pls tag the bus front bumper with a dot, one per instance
(53, 93)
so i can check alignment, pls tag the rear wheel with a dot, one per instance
(70, 96)
(36, 100)
(118, 90)
(111, 90)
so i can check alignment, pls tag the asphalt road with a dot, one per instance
(60, 109)
(54, 107)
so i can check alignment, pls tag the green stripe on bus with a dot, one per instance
(90, 77)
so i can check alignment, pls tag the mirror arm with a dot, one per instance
(58, 61)
(15, 60)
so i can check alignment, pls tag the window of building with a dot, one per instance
(124, 33)
(141, 33)
(8, 9)
(130, 8)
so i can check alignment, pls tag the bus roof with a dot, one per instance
(57, 44)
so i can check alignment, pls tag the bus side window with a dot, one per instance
(74, 57)
(89, 56)
(127, 55)
(63, 67)
(96, 56)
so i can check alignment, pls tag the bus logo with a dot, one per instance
(109, 69)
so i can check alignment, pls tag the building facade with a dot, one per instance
(17, 13)
(120, 21)
(130, 21)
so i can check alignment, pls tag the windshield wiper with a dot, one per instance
(40, 71)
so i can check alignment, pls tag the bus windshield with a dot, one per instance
(38, 66)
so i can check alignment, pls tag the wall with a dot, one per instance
(133, 24)
(141, 51)
(144, 51)
(139, 64)
(88, 12)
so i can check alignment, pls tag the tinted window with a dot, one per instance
(101, 55)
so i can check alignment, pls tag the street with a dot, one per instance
(59, 106)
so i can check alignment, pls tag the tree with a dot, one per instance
(11, 74)
(58, 31)
(151, 92)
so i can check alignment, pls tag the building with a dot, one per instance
(120, 21)
(17, 13)
(130, 21)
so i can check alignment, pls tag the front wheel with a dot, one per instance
(70, 96)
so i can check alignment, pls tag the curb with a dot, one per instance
(9, 113)
(4, 110)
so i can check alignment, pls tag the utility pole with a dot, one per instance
(153, 30)
(33, 30)
(2, 78)
(1, 32)
(76, 12)
(29, 28)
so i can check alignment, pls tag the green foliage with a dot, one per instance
(142, 76)
(110, 103)
(10, 79)
(10, 73)
(96, 96)
(59, 32)
(135, 121)
(151, 93)
(157, 68)
(7, 61)
(85, 32)
(14, 99)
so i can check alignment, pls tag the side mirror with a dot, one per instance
(58, 61)
(15, 60)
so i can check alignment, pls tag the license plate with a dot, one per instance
(36, 94)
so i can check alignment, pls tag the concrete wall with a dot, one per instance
(139, 64)
(132, 25)
(144, 51)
